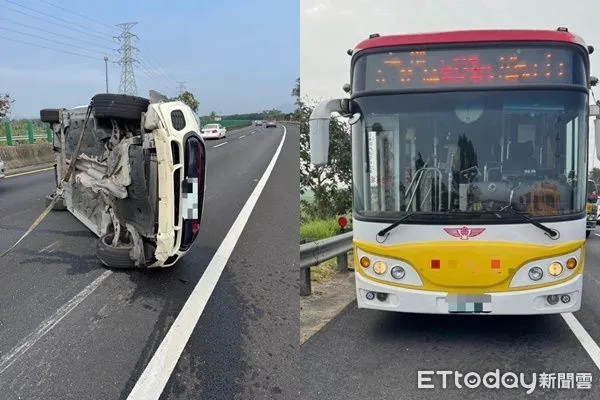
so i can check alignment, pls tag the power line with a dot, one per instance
(59, 24)
(127, 51)
(53, 33)
(151, 68)
(157, 63)
(49, 48)
(43, 38)
(155, 74)
(57, 18)
(79, 15)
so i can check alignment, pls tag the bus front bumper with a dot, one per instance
(525, 302)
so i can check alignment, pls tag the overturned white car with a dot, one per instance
(133, 171)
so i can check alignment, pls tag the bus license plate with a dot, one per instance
(469, 304)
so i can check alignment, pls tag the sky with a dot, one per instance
(328, 28)
(235, 56)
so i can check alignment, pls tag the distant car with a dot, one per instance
(258, 123)
(271, 124)
(213, 131)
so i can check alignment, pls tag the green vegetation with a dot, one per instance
(189, 99)
(25, 132)
(325, 191)
(230, 124)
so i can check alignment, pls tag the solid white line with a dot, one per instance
(219, 145)
(47, 247)
(9, 358)
(156, 374)
(28, 173)
(596, 234)
(242, 136)
(584, 338)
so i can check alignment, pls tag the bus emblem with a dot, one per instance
(464, 233)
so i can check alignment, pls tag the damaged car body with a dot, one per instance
(137, 176)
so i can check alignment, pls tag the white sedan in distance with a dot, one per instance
(213, 131)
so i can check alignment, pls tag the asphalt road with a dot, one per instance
(56, 343)
(366, 354)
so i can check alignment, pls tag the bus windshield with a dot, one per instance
(466, 154)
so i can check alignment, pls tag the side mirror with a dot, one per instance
(319, 130)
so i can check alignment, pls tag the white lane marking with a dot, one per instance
(49, 246)
(242, 136)
(596, 234)
(28, 173)
(584, 338)
(13, 355)
(219, 145)
(156, 374)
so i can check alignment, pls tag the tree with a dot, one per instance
(595, 175)
(189, 99)
(330, 183)
(5, 104)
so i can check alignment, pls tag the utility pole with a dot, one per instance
(127, 51)
(106, 71)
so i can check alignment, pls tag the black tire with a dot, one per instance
(58, 206)
(114, 257)
(587, 233)
(119, 106)
(50, 115)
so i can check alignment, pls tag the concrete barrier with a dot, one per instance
(19, 157)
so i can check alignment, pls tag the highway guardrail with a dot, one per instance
(314, 253)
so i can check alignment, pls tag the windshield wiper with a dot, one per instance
(552, 233)
(400, 221)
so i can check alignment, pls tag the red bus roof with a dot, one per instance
(471, 36)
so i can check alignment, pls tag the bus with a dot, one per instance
(470, 163)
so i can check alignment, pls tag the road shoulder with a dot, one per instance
(325, 303)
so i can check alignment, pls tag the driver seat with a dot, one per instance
(521, 158)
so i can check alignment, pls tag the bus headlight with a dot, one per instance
(536, 273)
(571, 263)
(379, 267)
(555, 269)
(398, 272)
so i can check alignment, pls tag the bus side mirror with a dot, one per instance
(319, 130)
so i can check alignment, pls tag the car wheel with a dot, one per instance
(49, 115)
(114, 257)
(119, 106)
(58, 206)
(587, 233)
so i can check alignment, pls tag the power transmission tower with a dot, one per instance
(181, 88)
(127, 52)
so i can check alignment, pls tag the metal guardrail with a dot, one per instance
(24, 137)
(314, 253)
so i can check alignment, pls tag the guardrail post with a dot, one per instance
(30, 132)
(342, 262)
(305, 286)
(49, 133)
(7, 131)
